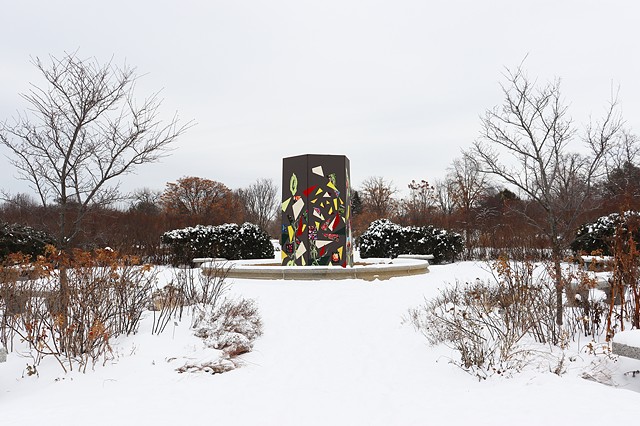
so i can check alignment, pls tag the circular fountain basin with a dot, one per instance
(366, 269)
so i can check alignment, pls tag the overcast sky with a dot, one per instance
(397, 86)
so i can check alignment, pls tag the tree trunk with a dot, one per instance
(556, 251)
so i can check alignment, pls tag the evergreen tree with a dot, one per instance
(356, 204)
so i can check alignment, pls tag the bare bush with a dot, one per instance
(586, 310)
(167, 303)
(106, 295)
(467, 318)
(496, 325)
(526, 298)
(189, 287)
(487, 322)
(203, 289)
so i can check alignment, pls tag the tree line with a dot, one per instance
(135, 225)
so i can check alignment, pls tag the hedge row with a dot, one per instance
(387, 239)
(229, 241)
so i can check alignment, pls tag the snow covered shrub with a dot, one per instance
(444, 245)
(599, 235)
(381, 239)
(384, 238)
(229, 241)
(232, 328)
(23, 239)
(255, 243)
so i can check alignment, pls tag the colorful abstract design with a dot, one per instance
(316, 211)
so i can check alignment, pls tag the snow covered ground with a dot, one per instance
(332, 353)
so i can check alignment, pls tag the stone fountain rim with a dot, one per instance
(376, 269)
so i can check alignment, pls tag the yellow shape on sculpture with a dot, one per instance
(335, 203)
(319, 191)
(283, 255)
(331, 210)
(340, 252)
(291, 232)
(332, 186)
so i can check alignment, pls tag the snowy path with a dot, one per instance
(333, 353)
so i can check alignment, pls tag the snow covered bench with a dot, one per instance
(198, 261)
(416, 256)
(627, 343)
(596, 263)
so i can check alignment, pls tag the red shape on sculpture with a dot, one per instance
(299, 232)
(336, 222)
(308, 191)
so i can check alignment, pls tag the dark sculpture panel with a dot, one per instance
(316, 211)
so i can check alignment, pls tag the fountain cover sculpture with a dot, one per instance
(316, 211)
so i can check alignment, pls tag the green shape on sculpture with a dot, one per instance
(293, 184)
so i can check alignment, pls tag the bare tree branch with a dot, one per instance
(82, 131)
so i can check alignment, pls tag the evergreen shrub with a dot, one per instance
(229, 241)
(598, 235)
(384, 238)
(29, 241)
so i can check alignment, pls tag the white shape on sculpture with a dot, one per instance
(297, 207)
(301, 250)
(322, 243)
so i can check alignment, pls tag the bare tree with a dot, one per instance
(469, 183)
(417, 208)
(525, 143)
(377, 197)
(84, 130)
(204, 200)
(444, 195)
(146, 200)
(625, 151)
(468, 186)
(261, 202)
(622, 183)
